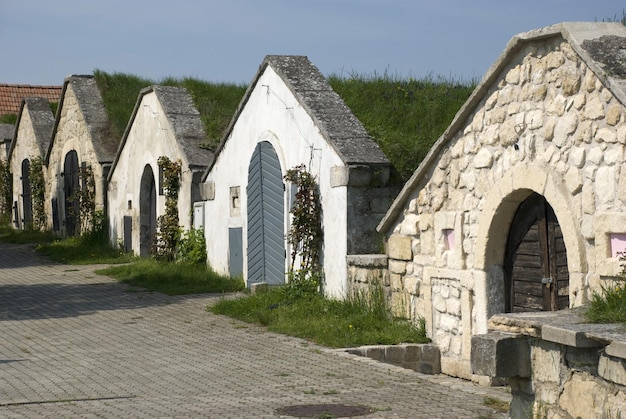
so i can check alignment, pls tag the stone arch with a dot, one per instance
(498, 209)
(147, 211)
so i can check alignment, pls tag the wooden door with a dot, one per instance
(71, 187)
(536, 260)
(27, 203)
(266, 230)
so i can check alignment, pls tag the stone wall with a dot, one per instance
(546, 124)
(557, 366)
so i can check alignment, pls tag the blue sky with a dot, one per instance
(44, 41)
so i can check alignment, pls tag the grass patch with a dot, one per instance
(172, 278)
(404, 116)
(332, 323)
(216, 102)
(11, 235)
(497, 405)
(82, 250)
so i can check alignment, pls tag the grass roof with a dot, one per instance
(404, 116)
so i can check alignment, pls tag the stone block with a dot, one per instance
(339, 176)
(359, 176)
(394, 355)
(612, 369)
(399, 247)
(498, 354)
(567, 336)
(375, 352)
(207, 191)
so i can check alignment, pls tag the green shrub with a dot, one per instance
(609, 305)
(191, 247)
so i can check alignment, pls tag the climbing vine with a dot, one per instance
(6, 192)
(305, 234)
(37, 187)
(85, 195)
(168, 232)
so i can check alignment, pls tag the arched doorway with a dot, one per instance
(27, 203)
(266, 230)
(71, 188)
(147, 211)
(535, 262)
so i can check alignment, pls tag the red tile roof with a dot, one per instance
(11, 95)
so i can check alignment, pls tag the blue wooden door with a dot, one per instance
(266, 236)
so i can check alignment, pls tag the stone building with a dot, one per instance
(164, 122)
(81, 138)
(290, 116)
(31, 141)
(521, 203)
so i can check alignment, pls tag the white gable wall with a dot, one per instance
(149, 138)
(273, 114)
(25, 147)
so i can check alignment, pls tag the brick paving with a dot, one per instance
(76, 344)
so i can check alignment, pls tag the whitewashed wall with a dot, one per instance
(273, 114)
(149, 138)
(25, 147)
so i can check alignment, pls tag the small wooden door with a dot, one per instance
(71, 187)
(536, 260)
(27, 203)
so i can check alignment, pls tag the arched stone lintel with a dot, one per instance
(499, 207)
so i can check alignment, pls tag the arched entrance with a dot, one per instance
(535, 262)
(147, 211)
(71, 188)
(27, 203)
(266, 235)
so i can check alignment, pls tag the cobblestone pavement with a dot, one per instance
(76, 344)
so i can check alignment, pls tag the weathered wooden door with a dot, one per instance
(266, 236)
(536, 259)
(147, 211)
(27, 203)
(71, 188)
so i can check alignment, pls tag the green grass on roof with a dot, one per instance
(216, 102)
(404, 116)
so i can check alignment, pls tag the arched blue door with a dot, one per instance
(266, 236)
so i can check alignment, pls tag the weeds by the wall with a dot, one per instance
(609, 304)
(168, 230)
(38, 193)
(6, 192)
(305, 233)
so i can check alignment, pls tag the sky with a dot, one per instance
(45, 41)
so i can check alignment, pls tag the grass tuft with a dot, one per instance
(328, 322)
(173, 278)
(609, 305)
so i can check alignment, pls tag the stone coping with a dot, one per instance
(567, 327)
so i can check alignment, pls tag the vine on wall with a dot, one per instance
(37, 187)
(6, 192)
(168, 232)
(305, 233)
(85, 195)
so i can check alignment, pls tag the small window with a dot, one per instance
(235, 204)
(448, 239)
(617, 244)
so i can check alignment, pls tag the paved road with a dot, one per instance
(76, 344)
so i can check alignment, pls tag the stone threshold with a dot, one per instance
(424, 358)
